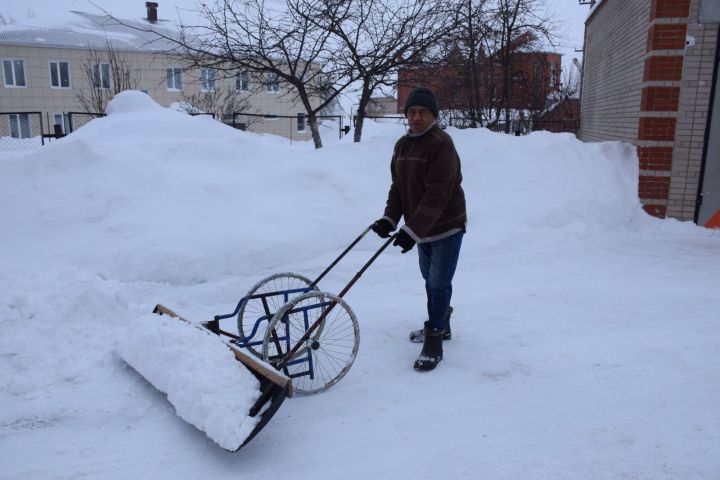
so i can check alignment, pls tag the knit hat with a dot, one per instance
(423, 97)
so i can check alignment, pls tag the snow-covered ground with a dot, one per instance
(586, 334)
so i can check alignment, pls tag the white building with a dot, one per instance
(46, 67)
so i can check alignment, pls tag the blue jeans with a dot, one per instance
(438, 261)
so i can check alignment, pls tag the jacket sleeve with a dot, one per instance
(393, 207)
(440, 183)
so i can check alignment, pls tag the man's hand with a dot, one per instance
(404, 241)
(382, 227)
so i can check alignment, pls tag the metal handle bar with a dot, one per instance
(214, 324)
(335, 262)
(325, 313)
(310, 287)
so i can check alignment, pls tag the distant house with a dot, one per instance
(650, 78)
(534, 76)
(45, 67)
(381, 106)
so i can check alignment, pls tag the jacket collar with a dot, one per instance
(410, 134)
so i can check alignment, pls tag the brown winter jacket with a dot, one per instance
(426, 186)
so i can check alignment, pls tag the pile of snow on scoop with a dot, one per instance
(207, 386)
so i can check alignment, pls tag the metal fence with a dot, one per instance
(557, 126)
(21, 130)
(294, 128)
(28, 130)
(61, 124)
(391, 119)
(80, 119)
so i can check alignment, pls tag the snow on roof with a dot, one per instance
(85, 30)
(593, 8)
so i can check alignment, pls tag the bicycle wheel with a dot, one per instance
(327, 354)
(264, 300)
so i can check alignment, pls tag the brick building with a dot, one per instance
(534, 75)
(649, 79)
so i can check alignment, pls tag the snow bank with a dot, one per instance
(152, 193)
(199, 373)
(132, 101)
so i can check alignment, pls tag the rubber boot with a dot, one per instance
(418, 336)
(432, 351)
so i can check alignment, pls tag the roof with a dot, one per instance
(85, 30)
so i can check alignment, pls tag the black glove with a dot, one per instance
(404, 241)
(382, 227)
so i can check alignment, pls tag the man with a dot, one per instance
(426, 191)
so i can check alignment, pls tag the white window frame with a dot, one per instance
(64, 122)
(208, 77)
(242, 81)
(99, 80)
(55, 65)
(12, 62)
(17, 128)
(273, 82)
(176, 76)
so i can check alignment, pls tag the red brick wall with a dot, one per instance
(659, 129)
(655, 158)
(660, 99)
(659, 104)
(453, 96)
(655, 187)
(667, 37)
(669, 8)
(656, 210)
(663, 68)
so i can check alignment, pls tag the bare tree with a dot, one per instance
(377, 37)
(515, 22)
(223, 102)
(9, 20)
(461, 64)
(284, 47)
(108, 72)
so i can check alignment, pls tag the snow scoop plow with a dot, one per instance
(292, 337)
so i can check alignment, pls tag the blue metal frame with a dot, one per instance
(289, 357)
(247, 341)
(286, 339)
(242, 342)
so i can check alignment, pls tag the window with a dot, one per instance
(14, 73)
(273, 83)
(207, 79)
(20, 125)
(242, 82)
(60, 74)
(301, 122)
(62, 119)
(101, 75)
(174, 78)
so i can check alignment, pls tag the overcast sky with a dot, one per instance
(567, 11)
